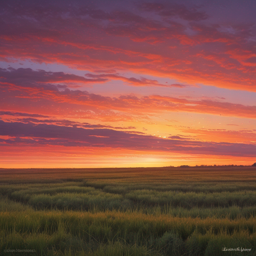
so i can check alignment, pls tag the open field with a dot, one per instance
(140, 211)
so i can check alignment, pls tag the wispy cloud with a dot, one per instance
(42, 134)
(126, 104)
(190, 48)
(142, 81)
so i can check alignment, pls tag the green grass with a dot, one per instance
(81, 197)
(42, 231)
(175, 212)
(7, 205)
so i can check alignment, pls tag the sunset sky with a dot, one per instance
(110, 83)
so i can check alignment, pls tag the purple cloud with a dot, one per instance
(134, 81)
(32, 134)
(18, 114)
(171, 10)
(26, 76)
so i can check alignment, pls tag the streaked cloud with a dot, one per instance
(42, 134)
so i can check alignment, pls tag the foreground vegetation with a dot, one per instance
(180, 211)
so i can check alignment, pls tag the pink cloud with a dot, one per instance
(134, 81)
(127, 105)
(132, 40)
(21, 134)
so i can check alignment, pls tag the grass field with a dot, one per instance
(140, 211)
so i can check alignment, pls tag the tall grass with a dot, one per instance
(197, 187)
(146, 225)
(155, 211)
(192, 199)
(70, 197)
(182, 204)
(7, 205)
(164, 234)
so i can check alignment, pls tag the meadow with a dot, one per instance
(138, 211)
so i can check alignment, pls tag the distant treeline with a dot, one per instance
(229, 165)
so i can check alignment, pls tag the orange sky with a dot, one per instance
(120, 84)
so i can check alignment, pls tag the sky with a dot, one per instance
(127, 83)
